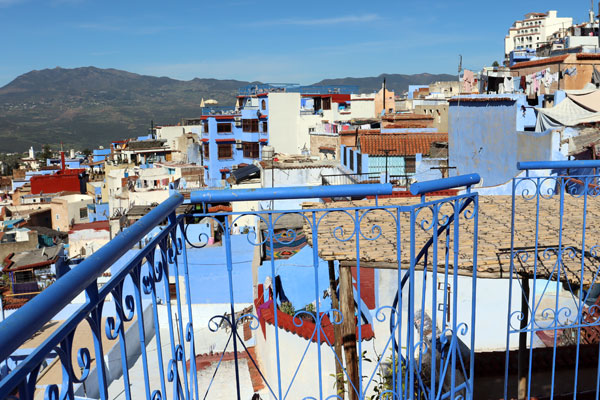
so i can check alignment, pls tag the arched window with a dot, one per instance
(263, 105)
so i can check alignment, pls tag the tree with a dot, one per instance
(495, 64)
(46, 153)
(86, 152)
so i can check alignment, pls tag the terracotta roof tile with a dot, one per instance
(544, 61)
(494, 237)
(401, 144)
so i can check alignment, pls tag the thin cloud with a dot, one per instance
(345, 19)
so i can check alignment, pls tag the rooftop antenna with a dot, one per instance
(384, 109)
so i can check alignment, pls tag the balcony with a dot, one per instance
(220, 110)
(371, 177)
(399, 298)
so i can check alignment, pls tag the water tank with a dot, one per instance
(268, 152)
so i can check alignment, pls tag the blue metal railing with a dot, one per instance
(418, 239)
(552, 320)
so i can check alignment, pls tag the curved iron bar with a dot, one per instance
(33, 315)
(447, 221)
(425, 249)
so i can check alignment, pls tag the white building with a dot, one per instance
(292, 117)
(536, 29)
(183, 140)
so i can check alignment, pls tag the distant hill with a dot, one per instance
(396, 82)
(88, 106)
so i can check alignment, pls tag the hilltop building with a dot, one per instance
(535, 30)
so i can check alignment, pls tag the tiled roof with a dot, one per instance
(494, 237)
(408, 116)
(543, 61)
(401, 144)
(300, 327)
(588, 56)
(33, 258)
(96, 225)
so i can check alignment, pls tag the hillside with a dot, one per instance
(396, 82)
(88, 106)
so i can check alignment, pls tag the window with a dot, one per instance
(224, 127)
(351, 160)
(224, 150)
(409, 163)
(250, 149)
(250, 125)
(205, 149)
(83, 213)
(263, 105)
(345, 158)
(205, 126)
(327, 103)
(264, 126)
(358, 164)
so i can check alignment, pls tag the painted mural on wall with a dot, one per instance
(286, 243)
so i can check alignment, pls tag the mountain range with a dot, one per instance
(88, 107)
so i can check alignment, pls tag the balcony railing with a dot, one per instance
(219, 110)
(349, 179)
(386, 298)
(370, 177)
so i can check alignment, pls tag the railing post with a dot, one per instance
(523, 355)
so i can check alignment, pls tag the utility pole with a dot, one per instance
(349, 330)
(384, 90)
(337, 333)
(386, 151)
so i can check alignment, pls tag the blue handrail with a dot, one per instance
(291, 192)
(20, 326)
(529, 165)
(444, 184)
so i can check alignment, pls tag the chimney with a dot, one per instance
(62, 160)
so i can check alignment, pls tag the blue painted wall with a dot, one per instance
(412, 88)
(487, 137)
(352, 153)
(298, 278)
(214, 164)
(98, 212)
(100, 154)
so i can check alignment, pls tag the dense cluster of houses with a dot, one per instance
(542, 104)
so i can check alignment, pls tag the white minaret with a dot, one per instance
(72, 153)
(31, 153)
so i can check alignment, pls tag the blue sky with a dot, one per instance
(271, 41)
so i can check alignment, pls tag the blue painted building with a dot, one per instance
(395, 152)
(70, 163)
(521, 55)
(490, 133)
(234, 138)
(17, 183)
(98, 212)
(100, 155)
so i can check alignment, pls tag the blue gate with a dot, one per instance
(350, 299)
